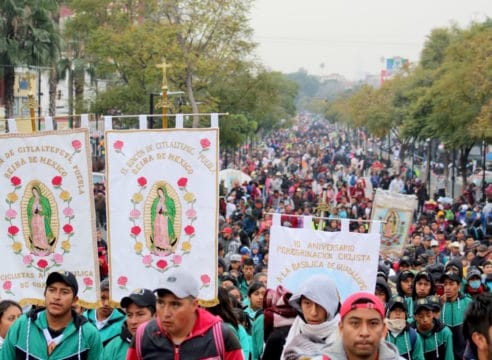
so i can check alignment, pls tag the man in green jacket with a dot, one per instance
(106, 318)
(54, 332)
(140, 308)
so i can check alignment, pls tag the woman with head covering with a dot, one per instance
(318, 303)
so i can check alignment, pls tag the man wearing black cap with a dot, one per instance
(437, 338)
(453, 310)
(54, 332)
(181, 329)
(140, 308)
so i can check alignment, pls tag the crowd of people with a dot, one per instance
(432, 302)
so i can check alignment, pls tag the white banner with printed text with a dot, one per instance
(351, 259)
(48, 214)
(163, 207)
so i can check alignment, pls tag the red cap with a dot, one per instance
(362, 300)
(227, 230)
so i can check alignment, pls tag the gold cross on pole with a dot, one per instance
(164, 67)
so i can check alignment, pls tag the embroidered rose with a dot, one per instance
(191, 214)
(58, 259)
(67, 228)
(27, 260)
(68, 212)
(161, 264)
(88, 282)
(65, 245)
(12, 197)
(57, 181)
(182, 182)
(205, 279)
(13, 230)
(122, 281)
(77, 145)
(189, 197)
(189, 230)
(42, 264)
(15, 180)
(134, 214)
(17, 246)
(142, 181)
(7, 285)
(147, 260)
(10, 214)
(135, 230)
(137, 197)
(186, 246)
(118, 146)
(177, 259)
(138, 247)
(65, 195)
(205, 143)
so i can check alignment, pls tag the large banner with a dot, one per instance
(395, 212)
(351, 259)
(163, 207)
(48, 214)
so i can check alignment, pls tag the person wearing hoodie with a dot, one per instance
(400, 334)
(106, 319)
(317, 302)
(56, 331)
(436, 337)
(361, 331)
(477, 328)
(453, 310)
(382, 290)
(474, 285)
(423, 285)
(140, 308)
(456, 266)
(404, 284)
(181, 329)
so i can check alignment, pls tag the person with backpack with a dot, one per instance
(318, 303)
(181, 329)
(400, 334)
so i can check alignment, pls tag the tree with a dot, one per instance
(29, 38)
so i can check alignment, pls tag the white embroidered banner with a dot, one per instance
(48, 214)
(351, 259)
(395, 211)
(163, 207)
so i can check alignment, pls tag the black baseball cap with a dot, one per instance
(422, 304)
(451, 276)
(65, 277)
(139, 297)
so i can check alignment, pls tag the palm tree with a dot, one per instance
(28, 38)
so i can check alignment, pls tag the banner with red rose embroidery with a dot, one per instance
(163, 207)
(48, 214)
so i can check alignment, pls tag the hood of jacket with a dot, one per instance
(78, 320)
(457, 264)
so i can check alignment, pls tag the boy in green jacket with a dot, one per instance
(140, 308)
(54, 332)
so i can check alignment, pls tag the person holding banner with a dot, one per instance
(54, 332)
(317, 303)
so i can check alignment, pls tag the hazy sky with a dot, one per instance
(351, 37)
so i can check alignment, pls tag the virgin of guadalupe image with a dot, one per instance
(391, 225)
(163, 216)
(40, 211)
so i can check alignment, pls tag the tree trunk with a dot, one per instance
(9, 81)
(53, 82)
(191, 98)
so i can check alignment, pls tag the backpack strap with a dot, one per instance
(219, 339)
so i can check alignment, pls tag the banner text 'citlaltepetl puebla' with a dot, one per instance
(163, 207)
(48, 214)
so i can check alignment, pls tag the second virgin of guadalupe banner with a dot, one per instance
(48, 214)
(395, 211)
(163, 208)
